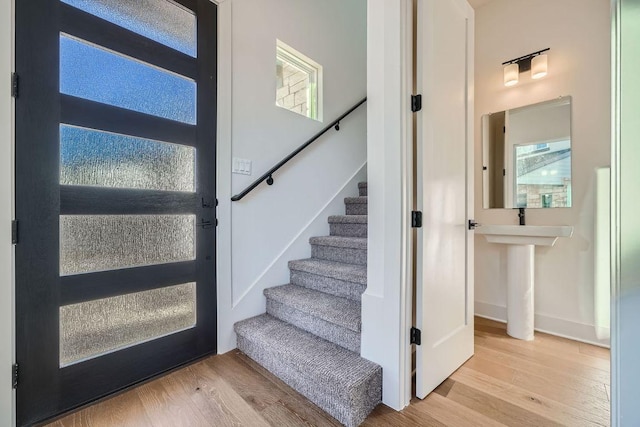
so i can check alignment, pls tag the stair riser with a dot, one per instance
(332, 398)
(356, 209)
(331, 332)
(346, 255)
(362, 191)
(337, 287)
(348, 230)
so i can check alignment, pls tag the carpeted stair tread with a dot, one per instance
(356, 205)
(341, 382)
(340, 242)
(337, 270)
(340, 248)
(332, 309)
(362, 188)
(348, 219)
(356, 200)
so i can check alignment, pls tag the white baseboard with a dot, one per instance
(549, 325)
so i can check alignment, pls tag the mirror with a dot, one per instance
(526, 156)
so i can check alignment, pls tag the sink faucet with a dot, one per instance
(521, 215)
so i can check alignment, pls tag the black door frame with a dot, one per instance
(44, 389)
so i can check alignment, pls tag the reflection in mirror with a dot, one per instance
(527, 156)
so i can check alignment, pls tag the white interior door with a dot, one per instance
(445, 190)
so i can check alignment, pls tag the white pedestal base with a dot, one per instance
(520, 313)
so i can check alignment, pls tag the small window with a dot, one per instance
(298, 82)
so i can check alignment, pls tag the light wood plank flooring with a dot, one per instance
(548, 382)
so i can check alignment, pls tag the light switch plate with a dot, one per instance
(241, 166)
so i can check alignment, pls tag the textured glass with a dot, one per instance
(94, 73)
(93, 328)
(91, 157)
(91, 243)
(163, 21)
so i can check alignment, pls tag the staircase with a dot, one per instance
(310, 335)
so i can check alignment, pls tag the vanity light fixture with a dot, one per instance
(536, 62)
(511, 74)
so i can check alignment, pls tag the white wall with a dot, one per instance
(625, 175)
(578, 33)
(6, 213)
(272, 224)
(385, 326)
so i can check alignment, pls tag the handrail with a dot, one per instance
(268, 176)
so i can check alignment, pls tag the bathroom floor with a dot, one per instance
(547, 382)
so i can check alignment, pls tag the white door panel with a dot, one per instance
(444, 187)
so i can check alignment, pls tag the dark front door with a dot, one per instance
(115, 195)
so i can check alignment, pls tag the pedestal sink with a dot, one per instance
(521, 241)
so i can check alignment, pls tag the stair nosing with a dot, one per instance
(359, 200)
(340, 242)
(348, 219)
(358, 279)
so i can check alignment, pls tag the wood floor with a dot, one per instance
(548, 382)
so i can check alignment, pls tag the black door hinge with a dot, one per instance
(416, 219)
(14, 232)
(416, 103)
(14, 376)
(14, 85)
(415, 336)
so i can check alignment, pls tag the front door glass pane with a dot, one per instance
(98, 74)
(160, 20)
(104, 159)
(90, 243)
(93, 328)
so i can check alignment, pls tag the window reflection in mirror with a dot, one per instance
(527, 156)
(543, 175)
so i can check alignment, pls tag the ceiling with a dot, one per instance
(477, 3)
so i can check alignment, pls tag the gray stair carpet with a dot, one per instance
(343, 280)
(362, 188)
(348, 225)
(350, 250)
(337, 380)
(310, 335)
(356, 205)
(327, 316)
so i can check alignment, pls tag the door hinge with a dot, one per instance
(416, 103)
(473, 224)
(14, 84)
(416, 219)
(415, 336)
(14, 376)
(14, 232)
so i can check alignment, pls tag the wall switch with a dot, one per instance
(241, 166)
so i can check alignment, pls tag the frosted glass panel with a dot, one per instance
(163, 21)
(91, 243)
(94, 73)
(93, 328)
(91, 157)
